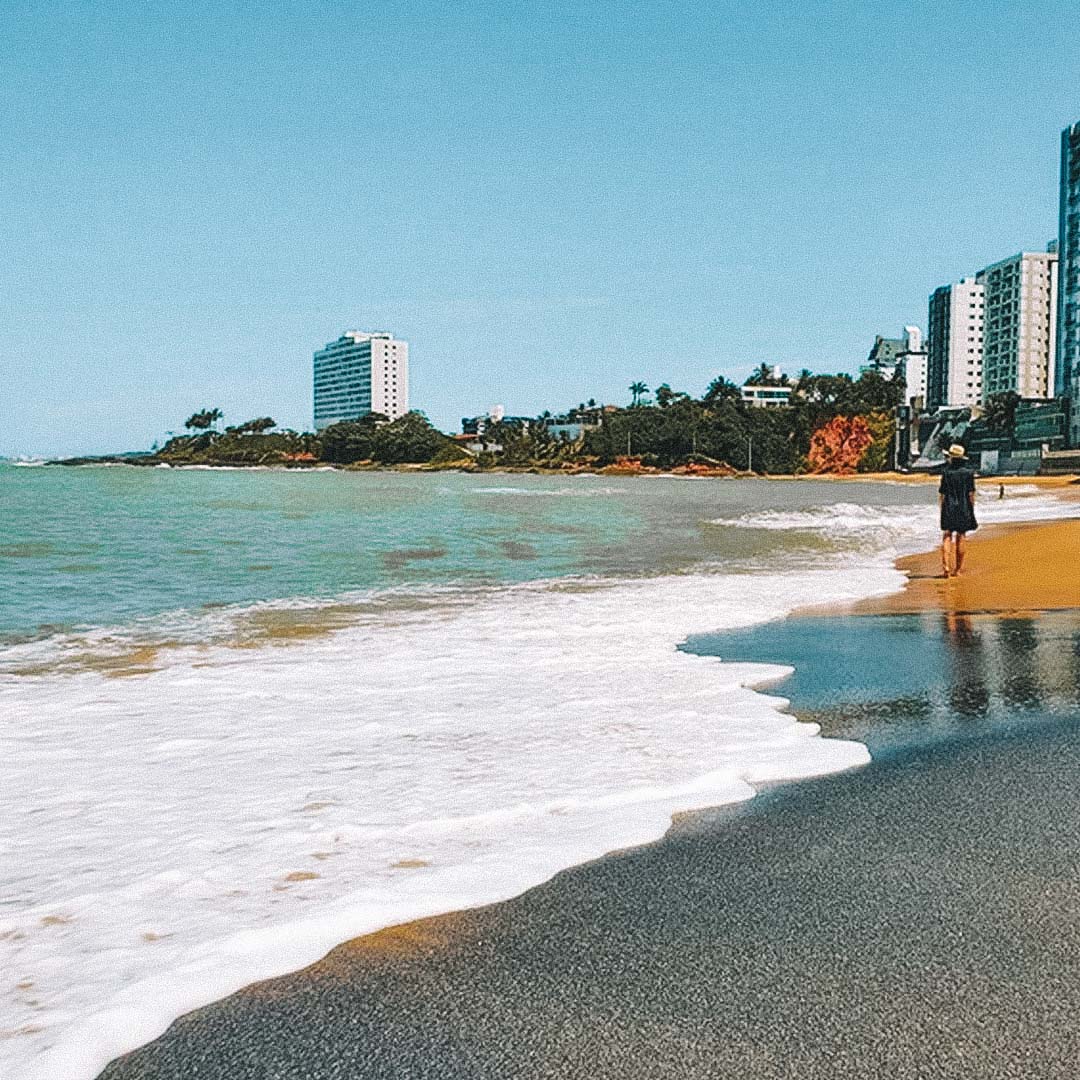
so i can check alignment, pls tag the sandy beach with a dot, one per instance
(919, 917)
(1030, 567)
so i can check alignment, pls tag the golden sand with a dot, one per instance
(420, 937)
(1007, 568)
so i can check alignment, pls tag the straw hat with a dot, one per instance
(956, 450)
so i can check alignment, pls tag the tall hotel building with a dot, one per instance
(954, 345)
(1067, 381)
(360, 374)
(1021, 325)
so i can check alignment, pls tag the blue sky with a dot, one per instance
(548, 201)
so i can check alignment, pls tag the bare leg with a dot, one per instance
(959, 549)
(946, 554)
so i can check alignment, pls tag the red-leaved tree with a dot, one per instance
(838, 446)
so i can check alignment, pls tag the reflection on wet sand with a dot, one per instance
(890, 680)
(968, 692)
(999, 668)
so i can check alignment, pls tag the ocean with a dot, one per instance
(246, 715)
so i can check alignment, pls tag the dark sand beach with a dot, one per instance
(919, 917)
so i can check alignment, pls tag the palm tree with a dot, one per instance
(637, 390)
(205, 418)
(721, 389)
(762, 376)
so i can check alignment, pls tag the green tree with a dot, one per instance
(351, 440)
(874, 393)
(203, 420)
(721, 389)
(763, 375)
(880, 453)
(257, 426)
(637, 391)
(410, 439)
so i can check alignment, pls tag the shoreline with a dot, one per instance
(415, 943)
(1065, 482)
(808, 587)
(916, 917)
(673, 691)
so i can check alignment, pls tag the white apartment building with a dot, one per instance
(954, 346)
(771, 395)
(766, 397)
(1020, 335)
(361, 373)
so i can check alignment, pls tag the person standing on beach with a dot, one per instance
(956, 498)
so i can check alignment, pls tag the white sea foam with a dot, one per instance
(587, 491)
(160, 833)
(494, 744)
(899, 529)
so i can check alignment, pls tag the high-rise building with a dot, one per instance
(360, 374)
(1067, 373)
(1021, 324)
(911, 364)
(884, 354)
(954, 345)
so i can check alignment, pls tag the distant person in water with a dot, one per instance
(956, 497)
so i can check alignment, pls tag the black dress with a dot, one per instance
(957, 486)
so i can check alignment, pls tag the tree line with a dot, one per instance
(667, 430)
(409, 439)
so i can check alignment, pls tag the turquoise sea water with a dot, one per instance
(101, 545)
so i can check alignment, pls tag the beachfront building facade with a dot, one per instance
(361, 373)
(766, 397)
(767, 388)
(954, 345)
(1067, 368)
(1020, 325)
(884, 355)
(911, 365)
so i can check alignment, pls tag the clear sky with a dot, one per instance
(547, 200)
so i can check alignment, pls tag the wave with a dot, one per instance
(450, 755)
(901, 528)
